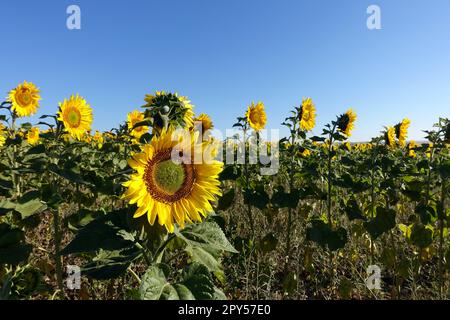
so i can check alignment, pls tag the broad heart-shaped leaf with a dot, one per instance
(383, 222)
(204, 243)
(426, 213)
(256, 197)
(101, 233)
(197, 283)
(282, 199)
(421, 235)
(110, 264)
(226, 200)
(198, 280)
(154, 285)
(13, 249)
(353, 211)
(230, 173)
(30, 204)
(322, 234)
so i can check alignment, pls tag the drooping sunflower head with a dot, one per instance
(169, 109)
(168, 184)
(33, 136)
(2, 135)
(25, 99)
(134, 118)
(204, 121)
(401, 131)
(76, 116)
(389, 137)
(346, 122)
(412, 145)
(307, 115)
(256, 116)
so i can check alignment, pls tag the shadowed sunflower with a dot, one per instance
(2, 135)
(205, 121)
(33, 136)
(76, 115)
(401, 131)
(256, 116)
(134, 118)
(307, 115)
(25, 99)
(173, 192)
(412, 145)
(346, 122)
(390, 137)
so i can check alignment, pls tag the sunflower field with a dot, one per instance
(160, 209)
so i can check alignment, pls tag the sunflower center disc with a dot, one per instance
(166, 180)
(73, 117)
(25, 97)
(169, 176)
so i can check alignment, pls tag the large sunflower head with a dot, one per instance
(307, 115)
(169, 109)
(205, 121)
(401, 131)
(76, 115)
(25, 99)
(133, 118)
(389, 137)
(171, 190)
(2, 135)
(256, 116)
(33, 136)
(346, 122)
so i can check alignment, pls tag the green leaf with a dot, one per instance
(383, 222)
(226, 200)
(282, 199)
(154, 286)
(30, 204)
(421, 235)
(13, 248)
(198, 280)
(353, 211)
(256, 197)
(321, 233)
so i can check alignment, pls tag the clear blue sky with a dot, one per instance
(225, 53)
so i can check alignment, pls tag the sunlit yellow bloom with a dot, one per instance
(25, 99)
(401, 131)
(346, 122)
(304, 152)
(307, 115)
(411, 148)
(76, 115)
(188, 112)
(149, 98)
(205, 120)
(134, 118)
(98, 139)
(429, 150)
(256, 116)
(390, 137)
(33, 136)
(2, 135)
(171, 191)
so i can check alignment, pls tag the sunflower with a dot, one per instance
(98, 139)
(2, 135)
(133, 118)
(346, 122)
(25, 99)
(390, 137)
(76, 115)
(307, 115)
(175, 192)
(205, 121)
(33, 136)
(256, 116)
(169, 109)
(412, 145)
(401, 131)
